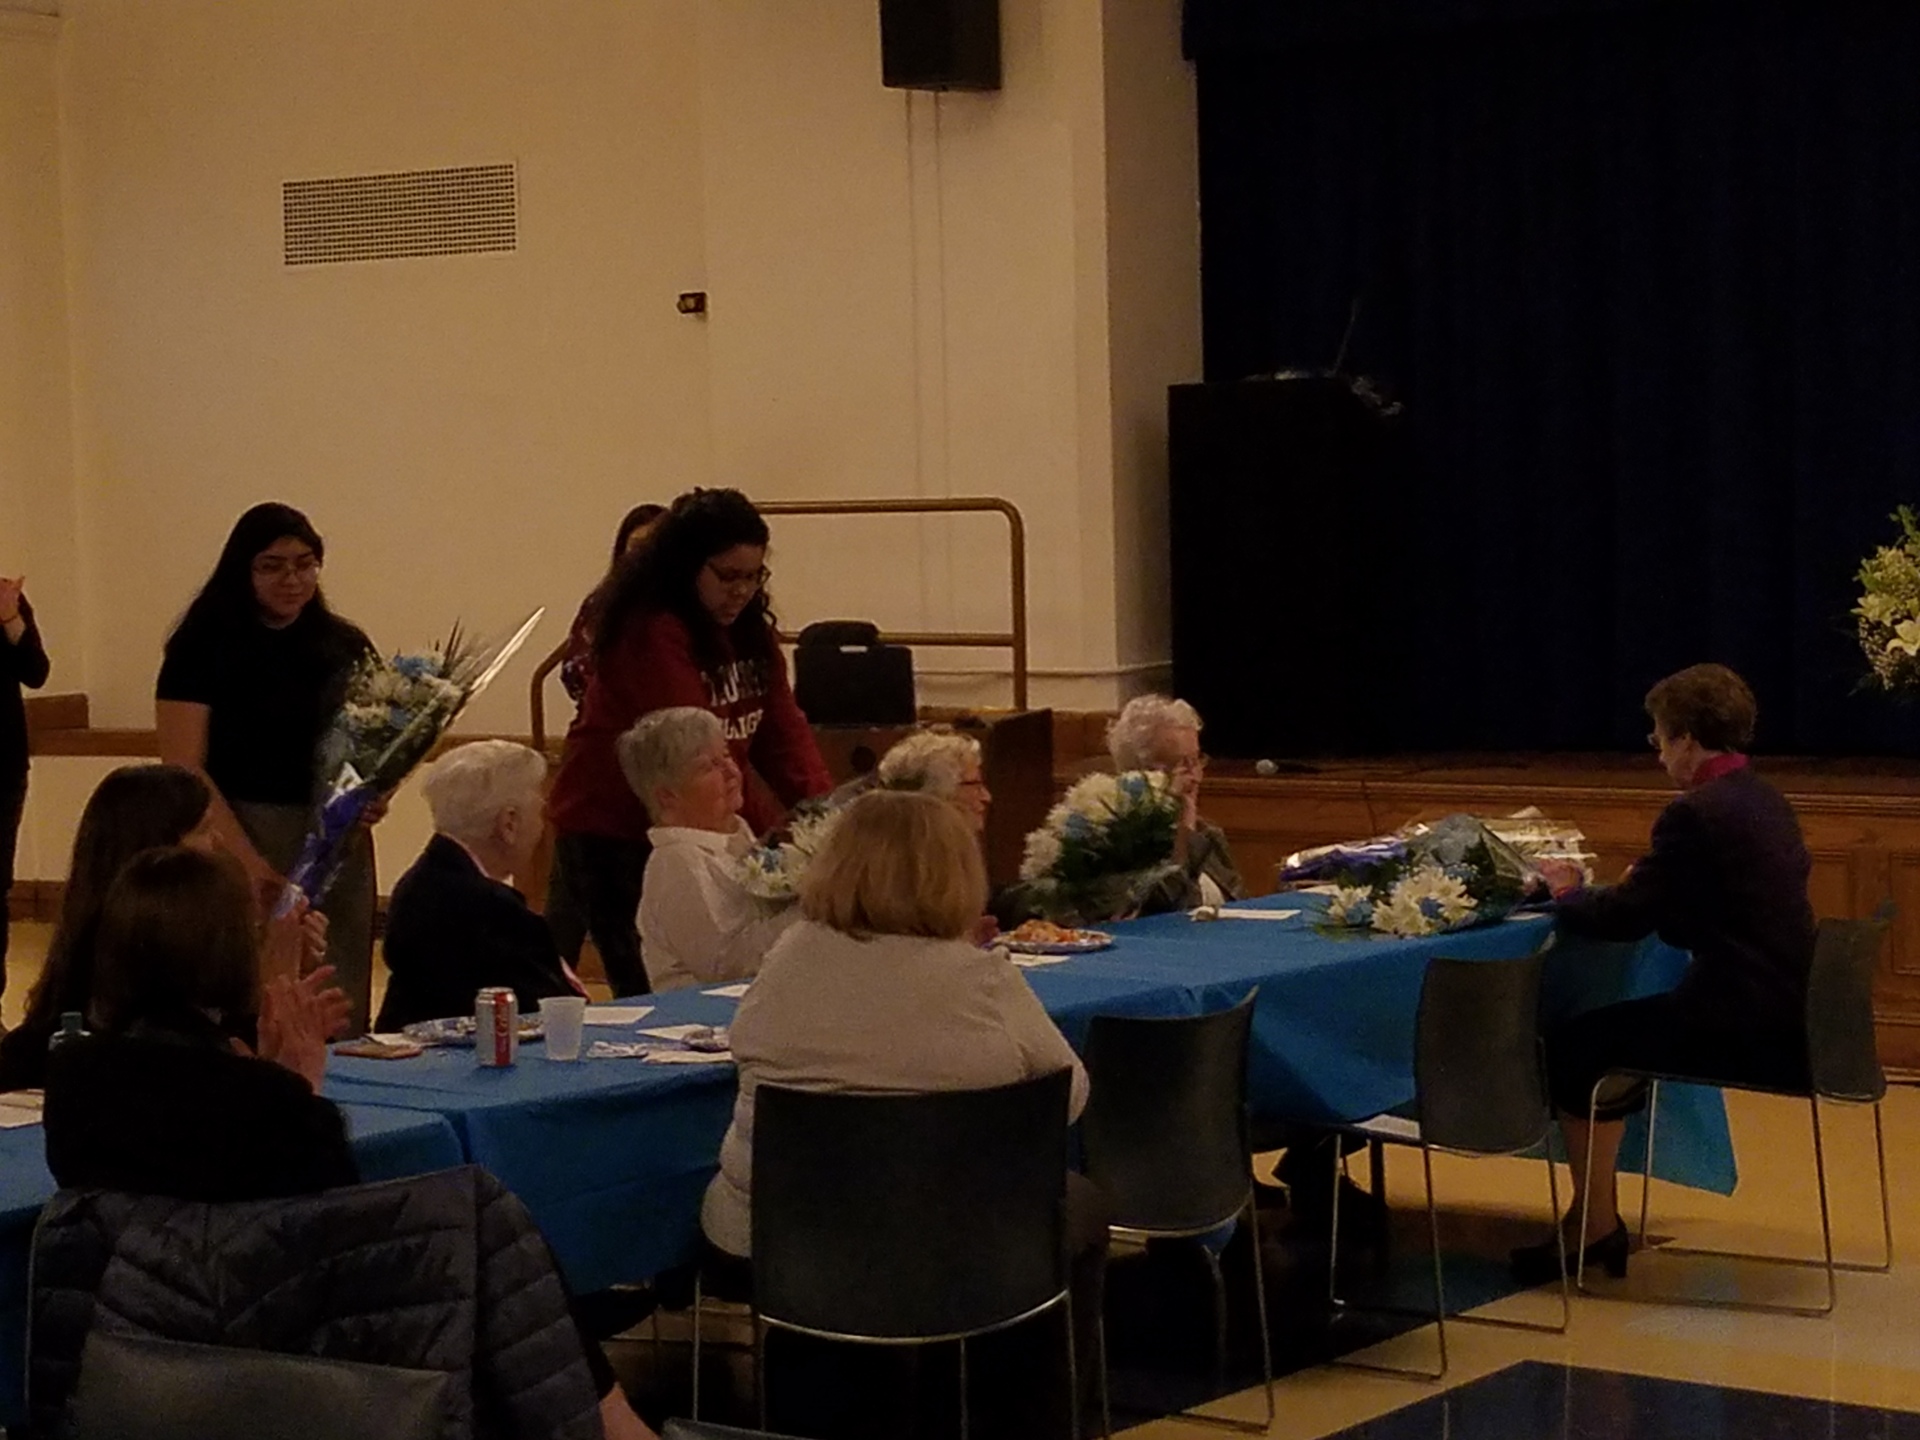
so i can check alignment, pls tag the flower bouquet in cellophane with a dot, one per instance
(392, 715)
(1103, 849)
(1425, 880)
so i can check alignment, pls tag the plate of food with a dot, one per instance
(1043, 937)
(458, 1030)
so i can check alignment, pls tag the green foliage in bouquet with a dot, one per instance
(1887, 615)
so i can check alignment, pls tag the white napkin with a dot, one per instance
(617, 1014)
(688, 1057)
(727, 992)
(19, 1108)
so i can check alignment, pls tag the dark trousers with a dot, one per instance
(1661, 1035)
(13, 797)
(594, 889)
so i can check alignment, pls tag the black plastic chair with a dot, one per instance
(137, 1388)
(1479, 1089)
(1166, 1138)
(911, 1219)
(1843, 1067)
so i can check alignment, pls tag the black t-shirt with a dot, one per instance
(271, 694)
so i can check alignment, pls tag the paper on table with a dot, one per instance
(1032, 962)
(1236, 914)
(675, 1032)
(20, 1107)
(617, 1014)
(1396, 1127)
(727, 992)
(688, 1057)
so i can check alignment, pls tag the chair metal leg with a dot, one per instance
(1251, 1427)
(1824, 1263)
(1566, 1297)
(1439, 1284)
(1106, 1400)
(1219, 1317)
(964, 1422)
(696, 1346)
(1886, 1209)
(1073, 1374)
(1260, 1306)
(1646, 1164)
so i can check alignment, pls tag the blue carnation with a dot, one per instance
(1077, 827)
(1430, 907)
(1360, 913)
(414, 667)
(1133, 786)
(399, 717)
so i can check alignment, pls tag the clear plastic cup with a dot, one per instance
(561, 1018)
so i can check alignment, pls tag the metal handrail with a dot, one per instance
(1014, 638)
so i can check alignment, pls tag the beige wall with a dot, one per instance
(910, 294)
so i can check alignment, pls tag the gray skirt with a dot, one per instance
(278, 832)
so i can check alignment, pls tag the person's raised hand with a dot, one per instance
(293, 1031)
(286, 944)
(10, 592)
(985, 931)
(313, 935)
(334, 1007)
(376, 810)
(1561, 876)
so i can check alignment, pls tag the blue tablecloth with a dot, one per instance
(611, 1156)
(388, 1142)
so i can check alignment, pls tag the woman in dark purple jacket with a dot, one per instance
(1725, 877)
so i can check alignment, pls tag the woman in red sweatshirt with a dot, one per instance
(687, 622)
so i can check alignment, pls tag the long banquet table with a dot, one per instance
(387, 1142)
(612, 1155)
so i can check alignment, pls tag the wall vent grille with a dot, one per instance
(465, 210)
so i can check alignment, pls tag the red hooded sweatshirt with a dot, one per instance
(652, 666)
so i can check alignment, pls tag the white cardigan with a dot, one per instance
(888, 1014)
(698, 924)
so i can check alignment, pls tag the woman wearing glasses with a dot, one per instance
(1155, 733)
(252, 675)
(686, 623)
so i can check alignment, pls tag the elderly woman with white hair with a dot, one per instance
(699, 924)
(942, 762)
(455, 923)
(1153, 732)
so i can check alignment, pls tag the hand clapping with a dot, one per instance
(10, 592)
(293, 1026)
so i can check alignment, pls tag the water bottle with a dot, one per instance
(72, 1028)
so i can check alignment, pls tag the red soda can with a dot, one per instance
(496, 1027)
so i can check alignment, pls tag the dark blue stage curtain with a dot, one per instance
(1647, 279)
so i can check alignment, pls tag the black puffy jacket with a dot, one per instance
(441, 1272)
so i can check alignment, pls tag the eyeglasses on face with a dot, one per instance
(275, 567)
(740, 579)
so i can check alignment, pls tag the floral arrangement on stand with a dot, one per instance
(1103, 848)
(772, 872)
(1887, 615)
(393, 714)
(1425, 880)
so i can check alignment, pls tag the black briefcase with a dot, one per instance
(844, 675)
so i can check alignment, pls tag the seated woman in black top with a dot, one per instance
(135, 808)
(455, 924)
(167, 1099)
(1726, 878)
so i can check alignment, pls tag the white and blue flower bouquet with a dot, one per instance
(772, 872)
(1103, 849)
(1887, 615)
(393, 713)
(1425, 880)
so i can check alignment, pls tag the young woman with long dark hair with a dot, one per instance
(687, 622)
(253, 672)
(137, 807)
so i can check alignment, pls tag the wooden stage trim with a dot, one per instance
(1861, 820)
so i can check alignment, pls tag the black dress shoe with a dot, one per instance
(1537, 1264)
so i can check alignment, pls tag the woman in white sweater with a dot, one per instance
(878, 988)
(699, 924)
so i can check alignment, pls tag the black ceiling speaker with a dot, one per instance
(940, 44)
